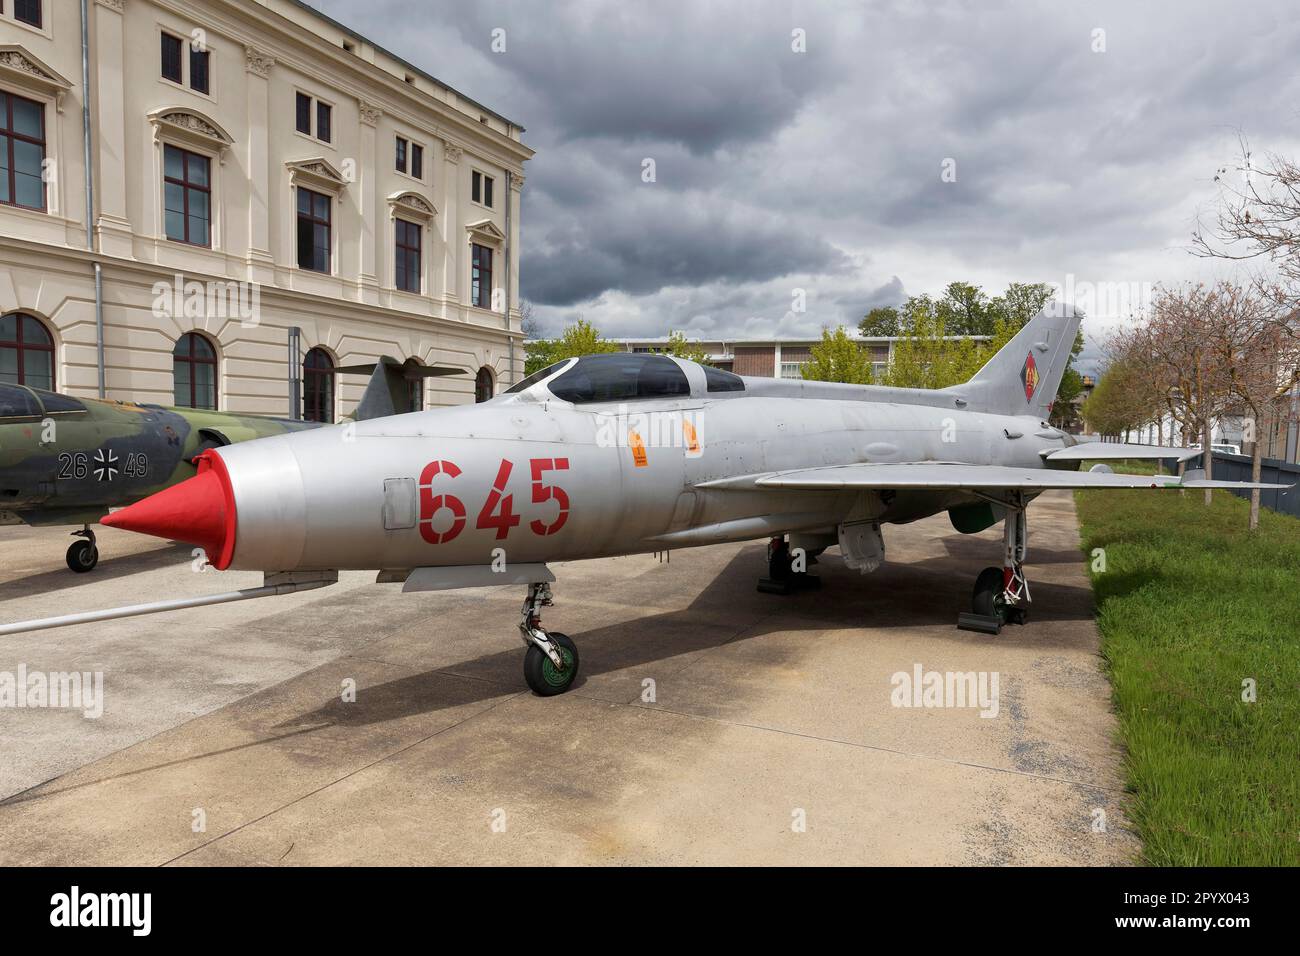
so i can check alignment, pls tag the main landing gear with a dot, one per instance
(83, 555)
(787, 571)
(551, 661)
(999, 592)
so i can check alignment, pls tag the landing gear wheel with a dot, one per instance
(989, 597)
(778, 560)
(543, 677)
(82, 556)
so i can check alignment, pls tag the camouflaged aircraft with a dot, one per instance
(68, 461)
(630, 453)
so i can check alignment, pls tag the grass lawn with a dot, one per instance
(1190, 605)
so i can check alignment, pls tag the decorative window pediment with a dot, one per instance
(485, 231)
(407, 203)
(316, 174)
(190, 127)
(21, 69)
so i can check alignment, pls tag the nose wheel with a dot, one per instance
(787, 571)
(83, 555)
(551, 661)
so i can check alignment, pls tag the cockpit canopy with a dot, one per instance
(623, 377)
(18, 401)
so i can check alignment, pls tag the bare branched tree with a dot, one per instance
(1258, 355)
(1258, 215)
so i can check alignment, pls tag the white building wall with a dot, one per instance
(262, 52)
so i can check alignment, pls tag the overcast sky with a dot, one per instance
(779, 170)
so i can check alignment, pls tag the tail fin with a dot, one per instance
(1023, 376)
(387, 392)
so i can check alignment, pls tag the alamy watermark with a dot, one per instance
(946, 689)
(54, 690)
(212, 299)
(678, 428)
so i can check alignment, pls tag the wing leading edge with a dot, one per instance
(1116, 451)
(957, 475)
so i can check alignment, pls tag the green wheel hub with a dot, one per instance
(554, 676)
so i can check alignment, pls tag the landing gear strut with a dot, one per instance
(787, 570)
(83, 555)
(1001, 593)
(551, 661)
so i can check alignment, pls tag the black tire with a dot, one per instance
(82, 556)
(778, 560)
(987, 597)
(540, 673)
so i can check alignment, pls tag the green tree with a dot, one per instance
(837, 358)
(679, 347)
(926, 357)
(1021, 302)
(965, 310)
(1115, 405)
(1065, 413)
(882, 320)
(580, 338)
(538, 353)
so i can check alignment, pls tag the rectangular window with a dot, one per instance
(313, 231)
(198, 70)
(481, 278)
(188, 196)
(401, 155)
(304, 113)
(323, 113)
(22, 152)
(171, 57)
(408, 256)
(28, 11)
(480, 188)
(417, 161)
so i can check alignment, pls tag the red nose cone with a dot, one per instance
(199, 510)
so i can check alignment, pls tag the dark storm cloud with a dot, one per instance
(668, 240)
(821, 170)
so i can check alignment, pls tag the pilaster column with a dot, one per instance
(454, 240)
(516, 189)
(261, 263)
(112, 226)
(372, 231)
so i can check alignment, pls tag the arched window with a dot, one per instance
(194, 372)
(318, 387)
(26, 352)
(484, 387)
(415, 393)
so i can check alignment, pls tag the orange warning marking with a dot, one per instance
(638, 449)
(692, 440)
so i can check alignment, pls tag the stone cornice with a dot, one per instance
(298, 47)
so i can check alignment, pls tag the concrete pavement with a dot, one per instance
(710, 723)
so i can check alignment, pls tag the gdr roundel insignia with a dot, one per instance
(1029, 376)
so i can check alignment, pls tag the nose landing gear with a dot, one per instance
(787, 570)
(83, 555)
(551, 661)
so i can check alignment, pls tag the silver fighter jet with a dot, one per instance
(625, 453)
